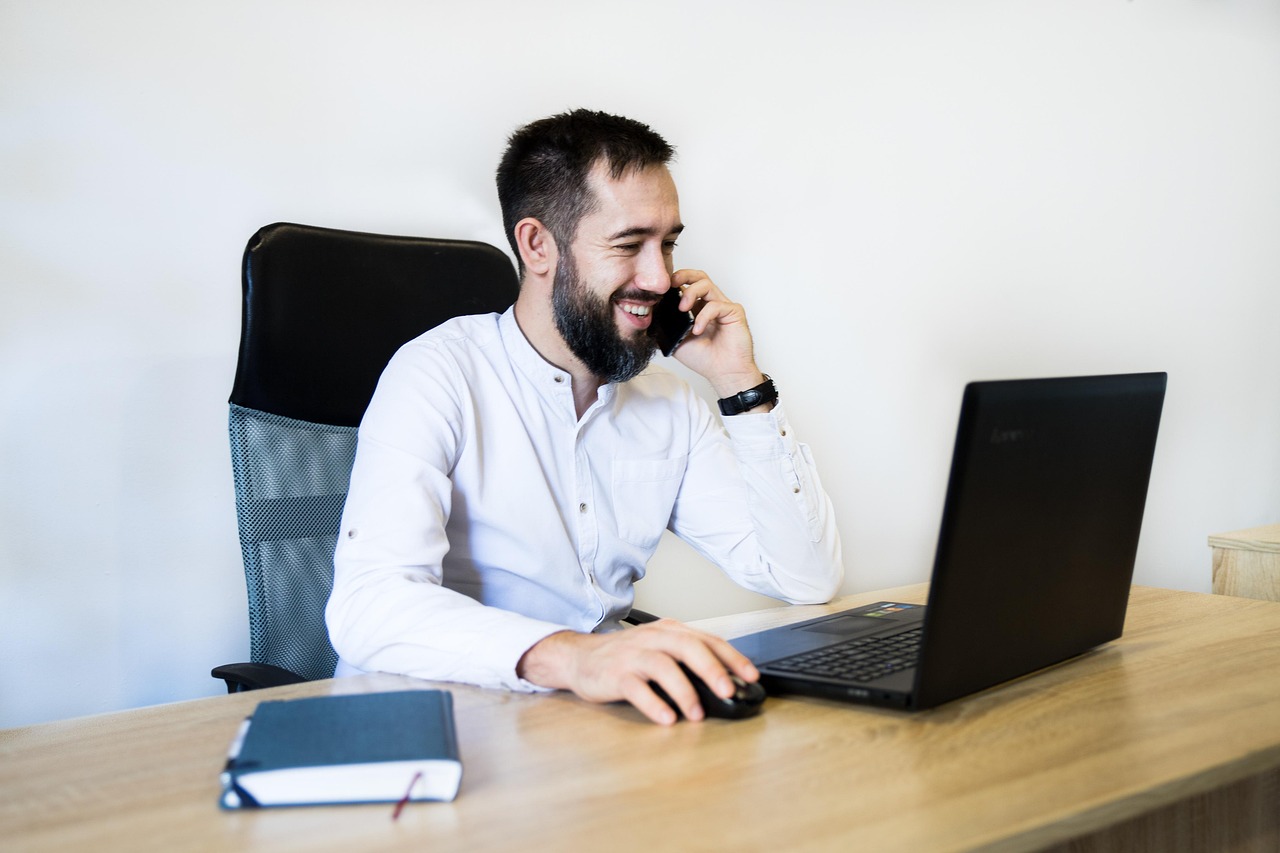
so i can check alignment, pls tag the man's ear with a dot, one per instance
(537, 246)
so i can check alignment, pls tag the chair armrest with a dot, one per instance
(253, 676)
(639, 617)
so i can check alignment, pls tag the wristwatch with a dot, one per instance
(765, 392)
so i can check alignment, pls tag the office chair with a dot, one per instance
(323, 312)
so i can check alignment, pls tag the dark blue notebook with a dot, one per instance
(360, 748)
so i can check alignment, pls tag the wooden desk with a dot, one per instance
(1167, 739)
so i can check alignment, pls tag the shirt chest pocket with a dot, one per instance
(644, 493)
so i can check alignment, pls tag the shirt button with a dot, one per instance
(582, 507)
(784, 432)
(559, 379)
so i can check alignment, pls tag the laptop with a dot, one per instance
(1034, 559)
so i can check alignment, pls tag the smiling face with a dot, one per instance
(617, 268)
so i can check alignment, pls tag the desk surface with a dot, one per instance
(1187, 701)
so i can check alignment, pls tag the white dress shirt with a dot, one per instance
(483, 515)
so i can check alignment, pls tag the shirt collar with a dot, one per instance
(552, 383)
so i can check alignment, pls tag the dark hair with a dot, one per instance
(544, 171)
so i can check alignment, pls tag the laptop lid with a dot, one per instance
(1039, 528)
(1036, 549)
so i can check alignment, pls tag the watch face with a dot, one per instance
(750, 399)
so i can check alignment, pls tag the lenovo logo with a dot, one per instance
(1007, 436)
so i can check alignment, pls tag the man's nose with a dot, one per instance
(653, 273)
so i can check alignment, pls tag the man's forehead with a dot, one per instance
(646, 194)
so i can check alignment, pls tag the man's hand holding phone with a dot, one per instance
(717, 344)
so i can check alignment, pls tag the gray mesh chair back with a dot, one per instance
(291, 482)
(323, 312)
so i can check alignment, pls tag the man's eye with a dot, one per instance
(628, 247)
(669, 246)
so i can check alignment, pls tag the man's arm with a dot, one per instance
(389, 613)
(389, 610)
(754, 505)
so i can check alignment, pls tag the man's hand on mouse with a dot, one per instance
(619, 666)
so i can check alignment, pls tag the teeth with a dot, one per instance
(638, 310)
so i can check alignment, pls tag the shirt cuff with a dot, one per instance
(504, 649)
(762, 436)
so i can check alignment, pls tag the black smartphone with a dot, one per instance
(670, 324)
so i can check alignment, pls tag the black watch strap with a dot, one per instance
(765, 392)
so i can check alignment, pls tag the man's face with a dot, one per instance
(617, 269)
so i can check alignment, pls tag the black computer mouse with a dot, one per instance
(745, 702)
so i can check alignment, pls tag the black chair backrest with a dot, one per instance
(324, 311)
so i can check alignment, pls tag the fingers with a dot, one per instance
(699, 294)
(641, 695)
(694, 285)
(687, 278)
(708, 658)
(714, 661)
(667, 684)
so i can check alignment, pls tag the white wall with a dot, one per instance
(906, 195)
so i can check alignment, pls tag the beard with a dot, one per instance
(587, 324)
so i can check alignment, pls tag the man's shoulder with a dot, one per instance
(468, 330)
(435, 370)
(457, 347)
(453, 341)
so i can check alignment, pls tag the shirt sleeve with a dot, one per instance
(388, 610)
(751, 502)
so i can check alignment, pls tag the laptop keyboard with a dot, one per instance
(859, 659)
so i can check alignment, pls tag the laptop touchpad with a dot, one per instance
(848, 625)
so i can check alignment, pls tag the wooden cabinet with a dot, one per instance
(1247, 562)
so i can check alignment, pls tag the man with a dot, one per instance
(515, 472)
